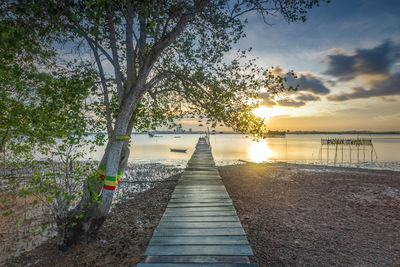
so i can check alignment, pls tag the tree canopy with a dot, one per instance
(154, 61)
(170, 54)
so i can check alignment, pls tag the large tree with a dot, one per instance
(156, 60)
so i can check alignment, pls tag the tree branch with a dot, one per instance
(130, 59)
(105, 88)
(114, 50)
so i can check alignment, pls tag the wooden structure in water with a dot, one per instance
(199, 226)
(348, 146)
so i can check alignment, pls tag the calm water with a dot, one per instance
(231, 148)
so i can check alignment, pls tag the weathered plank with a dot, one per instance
(200, 213)
(198, 225)
(199, 204)
(199, 240)
(186, 209)
(206, 194)
(231, 218)
(196, 265)
(200, 200)
(199, 188)
(188, 250)
(198, 259)
(198, 232)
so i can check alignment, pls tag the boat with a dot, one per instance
(177, 136)
(178, 150)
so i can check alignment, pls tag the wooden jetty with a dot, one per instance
(200, 226)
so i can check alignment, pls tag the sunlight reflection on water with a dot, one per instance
(259, 151)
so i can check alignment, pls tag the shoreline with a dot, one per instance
(333, 168)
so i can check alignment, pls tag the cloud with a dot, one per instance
(310, 83)
(388, 87)
(288, 102)
(308, 97)
(267, 99)
(377, 60)
(307, 82)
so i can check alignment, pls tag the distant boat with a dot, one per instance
(177, 136)
(178, 150)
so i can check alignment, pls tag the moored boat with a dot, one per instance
(178, 150)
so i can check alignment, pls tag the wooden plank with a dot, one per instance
(199, 240)
(199, 187)
(196, 265)
(198, 225)
(192, 168)
(195, 180)
(200, 195)
(201, 177)
(200, 200)
(206, 204)
(200, 190)
(198, 232)
(187, 250)
(199, 219)
(198, 259)
(203, 181)
(204, 171)
(187, 209)
(200, 213)
(200, 183)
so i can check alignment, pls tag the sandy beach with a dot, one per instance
(293, 215)
(302, 215)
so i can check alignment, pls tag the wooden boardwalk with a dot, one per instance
(200, 226)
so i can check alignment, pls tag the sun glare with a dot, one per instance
(265, 112)
(259, 151)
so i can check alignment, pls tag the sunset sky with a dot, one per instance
(347, 58)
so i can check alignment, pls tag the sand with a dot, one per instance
(317, 216)
(293, 215)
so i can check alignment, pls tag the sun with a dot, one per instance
(259, 151)
(265, 112)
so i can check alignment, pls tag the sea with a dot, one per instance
(230, 149)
